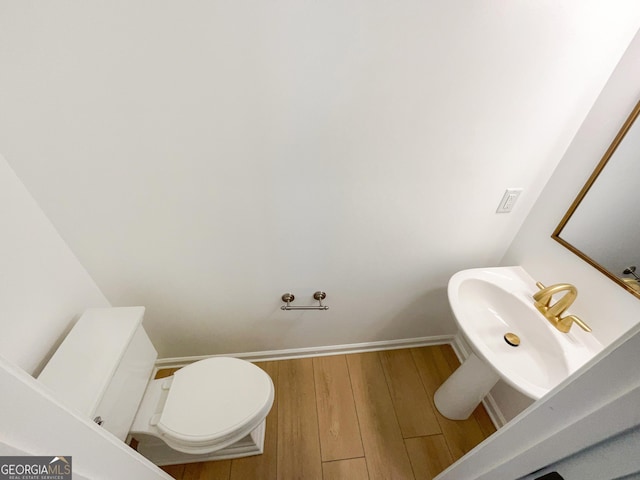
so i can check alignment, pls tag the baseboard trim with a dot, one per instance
(462, 350)
(495, 414)
(264, 356)
(459, 347)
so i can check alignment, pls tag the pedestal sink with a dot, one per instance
(487, 304)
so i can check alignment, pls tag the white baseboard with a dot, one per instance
(459, 346)
(494, 412)
(177, 362)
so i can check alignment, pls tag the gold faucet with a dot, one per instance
(554, 312)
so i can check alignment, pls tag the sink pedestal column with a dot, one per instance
(461, 393)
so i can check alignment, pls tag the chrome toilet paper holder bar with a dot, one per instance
(290, 297)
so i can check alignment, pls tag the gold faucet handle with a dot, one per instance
(567, 321)
(539, 296)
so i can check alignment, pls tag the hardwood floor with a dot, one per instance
(358, 416)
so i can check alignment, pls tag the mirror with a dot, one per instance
(602, 226)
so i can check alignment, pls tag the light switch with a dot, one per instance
(508, 200)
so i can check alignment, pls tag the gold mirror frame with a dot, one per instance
(585, 189)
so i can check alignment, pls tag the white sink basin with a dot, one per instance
(488, 303)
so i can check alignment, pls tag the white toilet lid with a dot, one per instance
(214, 397)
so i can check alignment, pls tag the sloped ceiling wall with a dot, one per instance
(202, 158)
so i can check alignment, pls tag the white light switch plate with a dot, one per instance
(508, 200)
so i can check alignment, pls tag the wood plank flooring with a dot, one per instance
(356, 417)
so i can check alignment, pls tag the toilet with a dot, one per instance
(212, 409)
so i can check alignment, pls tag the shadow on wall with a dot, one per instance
(428, 313)
(55, 345)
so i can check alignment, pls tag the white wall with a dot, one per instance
(202, 158)
(43, 287)
(606, 307)
(614, 458)
(35, 423)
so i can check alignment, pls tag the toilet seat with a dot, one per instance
(213, 403)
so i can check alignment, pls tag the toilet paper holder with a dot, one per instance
(290, 297)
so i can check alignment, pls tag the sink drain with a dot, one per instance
(512, 339)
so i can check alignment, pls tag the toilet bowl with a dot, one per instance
(208, 410)
(205, 406)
